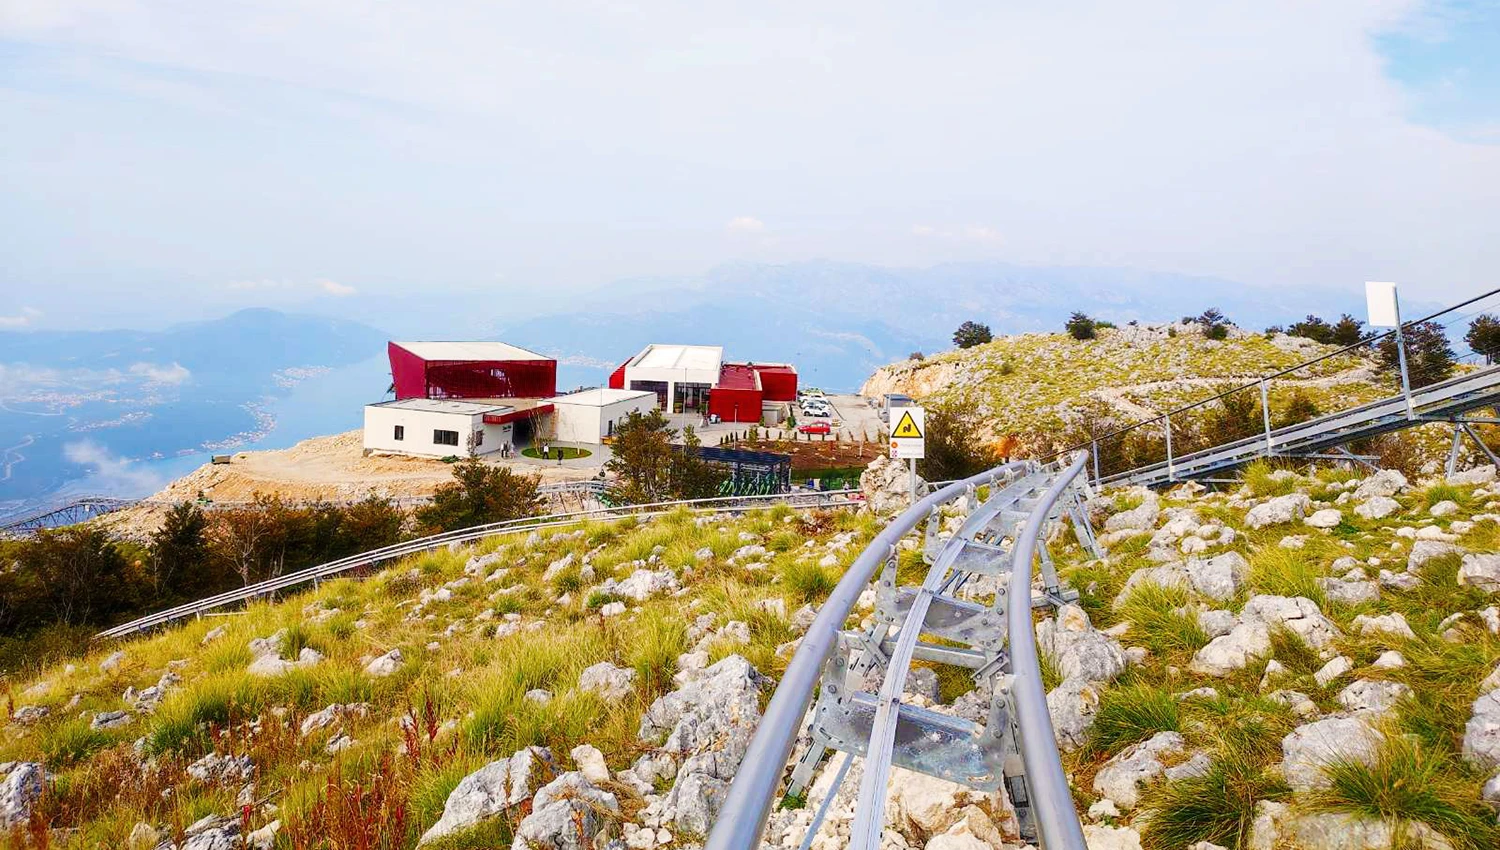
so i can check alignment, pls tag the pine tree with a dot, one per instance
(1429, 358)
(970, 334)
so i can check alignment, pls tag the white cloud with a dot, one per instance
(20, 320)
(110, 473)
(154, 373)
(1260, 140)
(333, 287)
(745, 224)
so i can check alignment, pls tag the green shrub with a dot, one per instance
(72, 741)
(1218, 807)
(1129, 714)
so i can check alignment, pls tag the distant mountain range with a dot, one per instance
(246, 345)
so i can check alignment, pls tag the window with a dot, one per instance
(479, 437)
(400, 432)
(444, 438)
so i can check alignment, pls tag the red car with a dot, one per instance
(816, 428)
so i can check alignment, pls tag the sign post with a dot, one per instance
(908, 440)
(1384, 310)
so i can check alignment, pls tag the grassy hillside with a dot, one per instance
(1030, 382)
(1404, 644)
(1322, 622)
(522, 618)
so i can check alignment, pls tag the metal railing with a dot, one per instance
(1269, 438)
(747, 806)
(797, 500)
(1441, 402)
(1052, 802)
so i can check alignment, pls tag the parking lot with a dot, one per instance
(852, 417)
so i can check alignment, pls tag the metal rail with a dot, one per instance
(83, 508)
(880, 728)
(1445, 401)
(1056, 818)
(798, 500)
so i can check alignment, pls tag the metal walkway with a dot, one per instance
(1324, 437)
(976, 599)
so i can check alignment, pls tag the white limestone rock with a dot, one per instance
(1386, 482)
(1377, 507)
(1072, 706)
(1349, 592)
(1335, 668)
(1125, 776)
(1423, 551)
(1298, 614)
(1307, 749)
(492, 789)
(1278, 510)
(22, 785)
(1080, 651)
(1393, 624)
(1481, 571)
(1371, 695)
(1482, 732)
(1227, 653)
(611, 682)
(386, 665)
(567, 813)
(705, 726)
(1220, 577)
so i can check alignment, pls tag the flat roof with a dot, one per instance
(658, 356)
(443, 405)
(476, 350)
(600, 396)
(737, 376)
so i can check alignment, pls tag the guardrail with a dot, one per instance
(743, 816)
(798, 500)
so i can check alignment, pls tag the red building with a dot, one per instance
(695, 378)
(470, 370)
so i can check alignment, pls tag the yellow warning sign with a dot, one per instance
(906, 428)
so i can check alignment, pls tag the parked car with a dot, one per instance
(816, 428)
(817, 412)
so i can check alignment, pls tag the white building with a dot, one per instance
(680, 375)
(438, 427)
(588, 416)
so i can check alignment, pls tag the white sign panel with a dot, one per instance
(1380, 301)
(908, 433)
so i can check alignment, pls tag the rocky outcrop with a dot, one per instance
(1227, 653)
(704, 728)
(568, 813)
(608, 681)
(21, 787)
(1307, 749)
(886, 485)
(1482, 732)
(1124, 777)
(1278, 510)
(1297, 614)
(1078, 650)
(492, 789)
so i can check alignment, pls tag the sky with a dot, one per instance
(168, 160)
